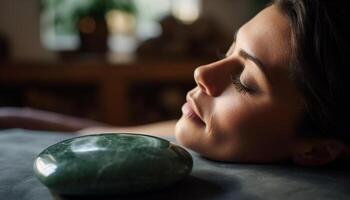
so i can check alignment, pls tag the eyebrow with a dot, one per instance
(255, 60)
(250, 57)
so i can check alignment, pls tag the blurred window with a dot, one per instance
(129, 21)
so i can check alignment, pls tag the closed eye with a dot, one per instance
(236, 80)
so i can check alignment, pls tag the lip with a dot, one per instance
(190, 110)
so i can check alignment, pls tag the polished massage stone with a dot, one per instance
(111, 164)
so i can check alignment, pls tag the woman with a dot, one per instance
(279, 94)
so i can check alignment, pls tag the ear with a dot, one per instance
(316, 152)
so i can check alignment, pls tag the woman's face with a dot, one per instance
(245, 107)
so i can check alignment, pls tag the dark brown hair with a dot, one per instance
(320, 64)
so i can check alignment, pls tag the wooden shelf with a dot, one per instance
(111, 81)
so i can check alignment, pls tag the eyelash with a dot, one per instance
(239, 86)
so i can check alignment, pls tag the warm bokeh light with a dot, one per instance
(120, 22)
(187, 11)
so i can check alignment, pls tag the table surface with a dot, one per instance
(208, 179)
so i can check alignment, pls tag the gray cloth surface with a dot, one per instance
(208, 180)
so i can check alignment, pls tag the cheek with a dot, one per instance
(240, 114)
(232, 128)
(265, 131)
(233, 116)
(243, 123)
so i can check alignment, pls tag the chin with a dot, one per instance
(186, 133)
(180, 132)
(193, 136)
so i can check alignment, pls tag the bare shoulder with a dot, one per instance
(164, 128)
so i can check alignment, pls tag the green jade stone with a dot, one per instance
(110, 164)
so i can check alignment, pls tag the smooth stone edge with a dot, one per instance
(102, 134)
(171, 145)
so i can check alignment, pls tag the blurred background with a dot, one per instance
(121, 62)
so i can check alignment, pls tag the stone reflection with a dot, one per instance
(151, 142)
(46, 165)
(89, 144)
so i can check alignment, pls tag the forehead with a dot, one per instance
(268, 37)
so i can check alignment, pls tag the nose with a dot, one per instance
(213, 78)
